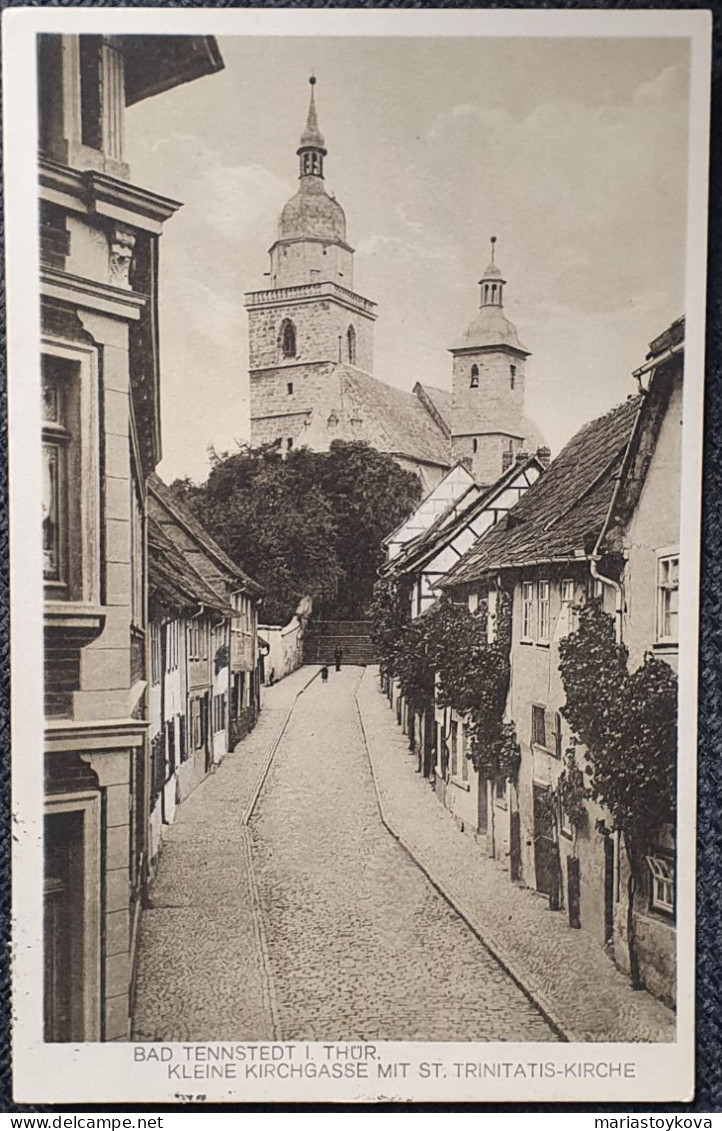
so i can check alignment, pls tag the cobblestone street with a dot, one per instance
(360, 943)
(313, 922)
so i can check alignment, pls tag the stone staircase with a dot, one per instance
(324, 637)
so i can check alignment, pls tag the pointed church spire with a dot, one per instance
(492, 281)
(312, 150)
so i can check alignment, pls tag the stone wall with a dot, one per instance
(321, 325)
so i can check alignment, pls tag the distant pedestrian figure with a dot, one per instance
(338, 656)
(324, 675)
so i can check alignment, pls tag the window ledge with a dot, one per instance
(666, 647)
(73, 618)
(460, 784)
(537, 749)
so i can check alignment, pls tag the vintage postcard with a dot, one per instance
(356, 368)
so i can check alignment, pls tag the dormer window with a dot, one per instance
(351, 345)
(474, 380)
(288, 339)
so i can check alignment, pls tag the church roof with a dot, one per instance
(391, 419)
(561, 516)
(490, 328)
(312, 213)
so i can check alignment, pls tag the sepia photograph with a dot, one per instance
(356, 371)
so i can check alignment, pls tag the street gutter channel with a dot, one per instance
(493, 948)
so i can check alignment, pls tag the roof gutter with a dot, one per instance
(655, 361)
(595, 555)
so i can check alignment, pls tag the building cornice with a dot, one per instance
(310, 292)
(94, 734)
(91, 294)
(500, 347)
(311, 239)
(99, 194)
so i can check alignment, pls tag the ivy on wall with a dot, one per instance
(627, 722)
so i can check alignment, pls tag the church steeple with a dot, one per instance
(312, 150)
(492, 282)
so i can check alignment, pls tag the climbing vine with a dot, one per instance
(628, 724)
(390, 615)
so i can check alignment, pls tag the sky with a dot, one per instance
(572, 152)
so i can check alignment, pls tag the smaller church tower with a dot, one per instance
(488, 426)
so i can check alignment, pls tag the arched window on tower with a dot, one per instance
(512, 375)
(351, 345)
(474, 381)
(288, 339)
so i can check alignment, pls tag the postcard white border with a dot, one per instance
(106, 1073)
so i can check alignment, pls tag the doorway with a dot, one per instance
(545, 847)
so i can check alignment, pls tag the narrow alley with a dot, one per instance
(326, 929)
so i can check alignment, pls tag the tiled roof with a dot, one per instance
(560, 517)
(170, 577)
(209, 560)
(391, 419)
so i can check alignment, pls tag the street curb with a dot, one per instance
(495, 950)
(263, 774)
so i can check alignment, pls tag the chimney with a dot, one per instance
(544, 456)
(522, 457)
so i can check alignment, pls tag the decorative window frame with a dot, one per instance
(527, 612)
(664, 555)
(87, 490)
(543, 636)
(662, 883)
(534, 739)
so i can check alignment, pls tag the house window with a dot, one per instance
(454, 749)
(544, 612)
(288, 339)
(668, 599)
(500, 786)
(137, 557)
(289, 388)
(596, 588)
(90, 91)
(662, 884)
(155, 652)
(527, 610)
(538, 726)
(196, 724)
(512, 375)
(351, 345)
(474, 380)
(464, 755)
(58, 456)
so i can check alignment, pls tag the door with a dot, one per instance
(608, 889)
(515, 845)
(205, 731)
(545, 848)
(63, 927)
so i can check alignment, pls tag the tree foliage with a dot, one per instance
(445, 655)
(305, 523)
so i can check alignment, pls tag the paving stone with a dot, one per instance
(361, 945)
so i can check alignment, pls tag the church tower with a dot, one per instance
(309, 320)
(488, 426)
